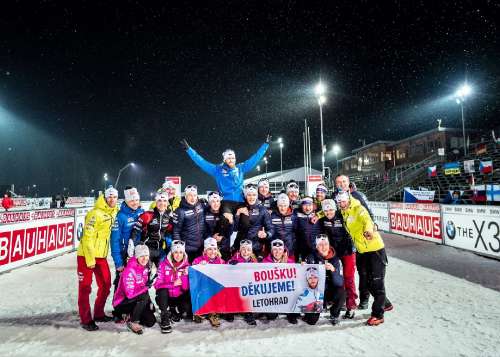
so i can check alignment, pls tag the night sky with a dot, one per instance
(86, 88)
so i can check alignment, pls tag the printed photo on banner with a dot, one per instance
(276, 288)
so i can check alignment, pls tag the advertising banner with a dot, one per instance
(312, 182)
(175, 181)
(474, 228)
(417, 220)
(80, 214)
(29, 203)
(73, 202)
(380, 212)
(254, 287)
(33, 238)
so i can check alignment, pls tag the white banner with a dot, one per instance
(418, 196)
(475, 228)
(29, 203)
(80, 214)
(380, 212)
(74, 202)
(312, 182)
(417, 220)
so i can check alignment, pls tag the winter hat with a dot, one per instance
(321, 188)
(246, 243)
(307, 200)
(191, 189)
(111, 191)
(214, 195)
(342, 196)
(321, 238)
(178, 246)
(328, 204)
(141, 250)
(167, 185)
(250, 188)
(277, 243)
(228, 154)
(264, 182)
(311, 272)
(161, 196)
(292, 187)
(210, 243)
(131, 194)
(283, 200)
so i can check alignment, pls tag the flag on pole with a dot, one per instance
(432, 171)
(486, 167)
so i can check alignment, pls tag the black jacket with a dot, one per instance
(189, 225)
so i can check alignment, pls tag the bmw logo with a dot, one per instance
(450, 230)
(79, 232)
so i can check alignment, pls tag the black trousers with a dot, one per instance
(335, 295)
(194, 254)
(154, 254)
(371, 266)
(364, 292)
(182, 303)
(140, 309)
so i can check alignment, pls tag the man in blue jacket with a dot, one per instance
(130, 210)
(229, 176)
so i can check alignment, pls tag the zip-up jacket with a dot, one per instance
(120, 233)
(337, 234)
(333, 279)
(306, 233)
(259, 217)
(151, 228)
(213, 225)
(284, 229)
(189, 225)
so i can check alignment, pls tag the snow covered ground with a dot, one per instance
(435, 315)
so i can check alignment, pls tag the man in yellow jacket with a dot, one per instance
(371, 258)
(91, 259)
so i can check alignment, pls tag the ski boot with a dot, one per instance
(214, 320)
(165, 326)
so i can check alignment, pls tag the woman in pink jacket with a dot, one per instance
(279, 254)
(172, 286)
(211, 255)
(131, 296)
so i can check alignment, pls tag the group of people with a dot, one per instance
(156, 247)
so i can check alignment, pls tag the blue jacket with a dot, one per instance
(229, 181)
(189, 225)
(333, 279)
(120, 233)
(284, 229)
(306, 233)
(213, 225)
(259, 217)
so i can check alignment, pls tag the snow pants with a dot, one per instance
(103, 279)
(349, 271)
(372, 266)
(140, 308)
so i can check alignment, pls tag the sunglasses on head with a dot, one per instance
(245, 242)
(277, 244)
(178, 242)
(192, 187)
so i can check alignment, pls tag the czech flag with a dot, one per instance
(486, 167)
(432, 171)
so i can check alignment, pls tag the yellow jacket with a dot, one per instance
(357, 221)
(97, 231)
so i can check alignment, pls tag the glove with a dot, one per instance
(184, 144)
(233, 262)
(269, 138)
(130, 248)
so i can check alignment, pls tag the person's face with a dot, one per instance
(264, 190)
(343, 204)
(313, 282)
(191, 198)
(245, 252)
(178, 256)
(112, 200)
(307, 208)
(143, 260)
(323, 247)
(161, 205)
(134, 204)
(283, 209)
(231, 162)
(251, 198)
(170, 191)
(342, 183)
(215, 204)
(278, 252)
(293, 195)
(329, 213)
(455, 196)
(211, 253)
(320, 195)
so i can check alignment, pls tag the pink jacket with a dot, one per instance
(168, 272)
(269, 259)
(133, 282)
(239, 259)
(204, 258)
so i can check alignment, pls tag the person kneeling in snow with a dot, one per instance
(132, 295)
(211, 255)
(172, 286)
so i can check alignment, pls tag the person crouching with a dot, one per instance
(211, 255)
(132, 297)
(172, 286)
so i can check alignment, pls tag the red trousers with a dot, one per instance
(349, 270)
(103, 279)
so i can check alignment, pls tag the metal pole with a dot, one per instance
(304, 148)
(463, 127)
(322, 143)
(281, 163)
(309, 148)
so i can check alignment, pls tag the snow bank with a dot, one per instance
(435, 314)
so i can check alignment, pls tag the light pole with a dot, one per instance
(320, 90)
(105, 180)
(121, 170)
(258, 168)
(463, 92)
(265, 161)
(336, 151)
(280, 141)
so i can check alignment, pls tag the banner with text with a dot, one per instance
(417, 220)
(380, 212)
(418, 196)
(253, 287)
(475, 228)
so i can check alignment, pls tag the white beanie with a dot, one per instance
(111, 191)
(141, 250)
(292, 187)
(321, 238)
(210, 243)
(342, 196)
(246, 243)
(328, 204)
(264, 182)
(131, 194)
(212, 196)
(191, 189)
(228, 154)
(178, 246)
(161, 196)
(283, 200)
(250, 189)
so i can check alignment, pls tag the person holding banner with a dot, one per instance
(218, 226)
(334, 284)
(307, 228)
(130, 210)
(189, 222)
(265, 196)
(132, 297)
(253, 222)
(332, 224)
(211, 255)
(311, 300)
(284, 222)
(172, 286)
(371, 257)
(91, 260)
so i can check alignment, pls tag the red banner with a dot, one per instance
(421, 221)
